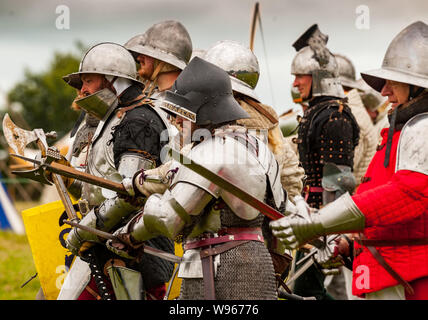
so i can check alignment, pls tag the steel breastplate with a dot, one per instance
(101, 162)
(234, 161)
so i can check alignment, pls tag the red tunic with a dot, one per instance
(395, 206)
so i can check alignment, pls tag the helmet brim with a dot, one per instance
(346, 82)
(73, 79)
(377, 78)
(157, 54)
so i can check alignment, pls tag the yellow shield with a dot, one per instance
(46, 235)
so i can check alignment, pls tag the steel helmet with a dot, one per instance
(239, 62)
(105, 58)
(406, 59)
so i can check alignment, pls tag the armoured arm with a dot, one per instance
(111, 211)
(340, 216)
(404, 198)
(157, 180)
(168, 214)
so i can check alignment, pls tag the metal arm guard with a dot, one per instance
(169, 213)
(111, 211)
(339, 216)
(245, 161)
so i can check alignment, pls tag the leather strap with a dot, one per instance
(236, 230)
(208, 252)
(121, 111)
(308, 189)
(388, 268)
(282, 283)
(93, 293)
(208, 265)
(260, 109)
(223, 239)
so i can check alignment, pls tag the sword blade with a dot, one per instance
(226, 185)
(299, 272)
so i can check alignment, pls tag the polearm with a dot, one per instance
(108, 236)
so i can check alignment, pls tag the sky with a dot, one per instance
(31, 31)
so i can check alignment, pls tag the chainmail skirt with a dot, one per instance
(245, 273)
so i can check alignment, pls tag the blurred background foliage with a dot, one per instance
(43, 99)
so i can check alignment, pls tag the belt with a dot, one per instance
(308, 189)
(232, 234)
(363, 241)
(233, 237)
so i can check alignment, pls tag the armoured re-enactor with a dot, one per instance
(390, 208)
(243, 68)
(161, 52)
(327, 136)
(127, 138)
(212, 223)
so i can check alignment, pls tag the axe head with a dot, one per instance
(18, 138)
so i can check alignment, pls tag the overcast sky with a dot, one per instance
(29, 33)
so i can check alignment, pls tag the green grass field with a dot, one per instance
(17, 265)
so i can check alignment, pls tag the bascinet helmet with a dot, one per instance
(203, 94)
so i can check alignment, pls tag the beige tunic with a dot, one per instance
(366, 147)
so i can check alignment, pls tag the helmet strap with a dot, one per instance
(151, 83)
(414, 91)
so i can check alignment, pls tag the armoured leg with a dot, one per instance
(75, 282)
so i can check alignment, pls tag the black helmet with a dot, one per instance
(203, 94)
